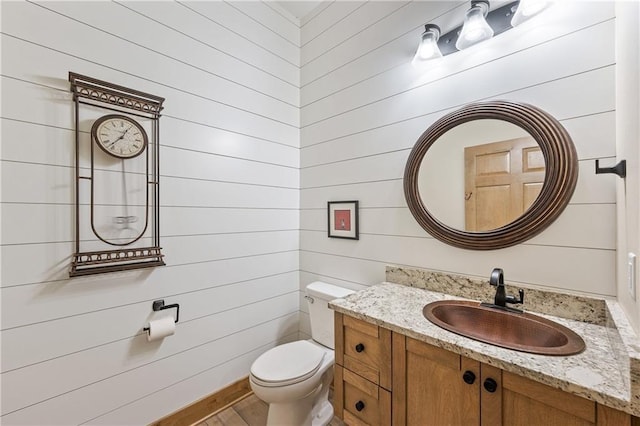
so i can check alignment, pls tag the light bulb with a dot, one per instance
(475, 28)
(527, 9)
(428, 47)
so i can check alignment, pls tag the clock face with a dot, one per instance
(119, 136)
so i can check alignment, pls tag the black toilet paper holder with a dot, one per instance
(158, 305)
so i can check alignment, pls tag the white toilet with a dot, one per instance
(294, 378)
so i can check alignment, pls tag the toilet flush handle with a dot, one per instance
(309, 299)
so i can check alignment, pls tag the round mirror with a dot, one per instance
(490, 175)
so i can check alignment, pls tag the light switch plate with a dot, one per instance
(631, 275)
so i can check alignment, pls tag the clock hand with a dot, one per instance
(120, 137)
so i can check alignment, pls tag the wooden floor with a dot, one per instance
(249, 411)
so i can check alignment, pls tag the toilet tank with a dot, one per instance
(319, 295)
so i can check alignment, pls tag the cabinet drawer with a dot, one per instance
(364, 348)
(360, 402)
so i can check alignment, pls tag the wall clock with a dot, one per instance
(119, 136)
(117, 177)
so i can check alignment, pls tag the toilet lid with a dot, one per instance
(287, 364)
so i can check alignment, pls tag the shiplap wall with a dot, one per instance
(363, 106)
(628, 137)
(73, 351)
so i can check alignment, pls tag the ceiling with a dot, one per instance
(299, 9)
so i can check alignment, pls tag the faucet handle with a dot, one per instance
(512, 300)
(497, 277)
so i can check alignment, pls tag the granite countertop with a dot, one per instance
(595, 374)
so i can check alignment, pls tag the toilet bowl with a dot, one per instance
(290, 378)
(294, 378)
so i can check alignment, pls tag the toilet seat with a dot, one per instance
(287, 364)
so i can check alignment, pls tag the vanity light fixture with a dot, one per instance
(527, 9)
(475, 27)
(480, 23)
(428, 47)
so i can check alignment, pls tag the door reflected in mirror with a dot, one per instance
(494, 133)
(481, 175)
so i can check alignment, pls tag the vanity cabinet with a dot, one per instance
(362, 381)
(433, 386)
(384, 378)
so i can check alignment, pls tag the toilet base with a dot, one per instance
(302, 412)
(312, 410)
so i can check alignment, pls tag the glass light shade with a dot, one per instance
(527, 9)
(428, 47)
(475, 27)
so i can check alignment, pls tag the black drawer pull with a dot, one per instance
(359, 347)
(359, 405)
(490, 385)
(469, 377)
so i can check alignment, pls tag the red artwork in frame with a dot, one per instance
(343, 219)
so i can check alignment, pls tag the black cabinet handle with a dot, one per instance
(359, 347)
(469, 377)
(490, 385)
(359, 405)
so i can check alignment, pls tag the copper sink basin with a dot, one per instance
(523, 332)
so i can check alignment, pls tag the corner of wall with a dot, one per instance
(627, 137)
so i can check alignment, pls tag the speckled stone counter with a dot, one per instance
(605, 372)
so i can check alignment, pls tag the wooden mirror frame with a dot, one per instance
(561, 175)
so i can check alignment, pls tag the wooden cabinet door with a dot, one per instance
(529, 403)
(429, 388)
(360, 402)
(363, 348)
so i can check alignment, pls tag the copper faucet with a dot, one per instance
(501, 299)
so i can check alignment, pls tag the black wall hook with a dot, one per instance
(158, 305)
(619, 169)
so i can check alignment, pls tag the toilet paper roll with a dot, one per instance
(161, 328)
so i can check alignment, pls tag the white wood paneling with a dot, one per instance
(242, 25)
(590, 188)
(371, 194)
(568, 230)
(352, 24)
(265, 16)
(385, 70)
(311, 16)
(594, 276)
(233, 200)
(118, 25)
(364, 106)
(41, 342)
(41, 302)
(586, 93)
(80, 405)
(59, 184)
(74, 348)
(348, 268)
(407, 78)
(593, 136)
(327, 15)
(180, 394)
(255, 45)
(185, 192)
(32, 263)
(406, 19)
(195, 165)
(46, 105)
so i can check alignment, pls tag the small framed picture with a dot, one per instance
(343, 219)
